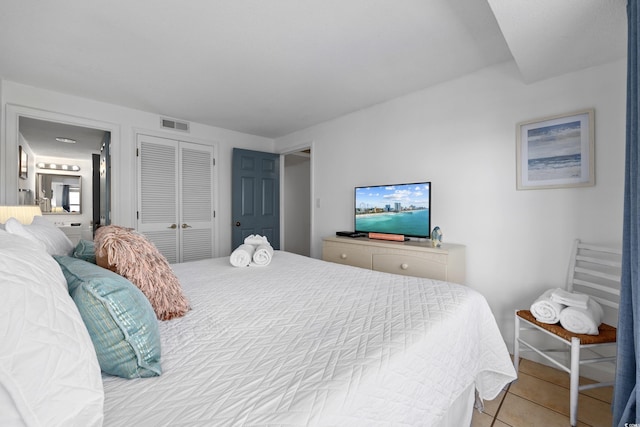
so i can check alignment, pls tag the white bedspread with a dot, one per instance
(305, 342)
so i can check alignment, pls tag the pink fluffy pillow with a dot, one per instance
(134, 257)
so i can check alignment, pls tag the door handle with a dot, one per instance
(237, 223)
(186, 226)
(173, 226)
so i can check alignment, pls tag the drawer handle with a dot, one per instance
(343, 256)
(404, 266)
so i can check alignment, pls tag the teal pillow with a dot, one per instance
(120, 319)
(85, 250)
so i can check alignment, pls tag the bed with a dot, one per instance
(306, 342)
(303, 342)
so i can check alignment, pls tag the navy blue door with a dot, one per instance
(255, 196)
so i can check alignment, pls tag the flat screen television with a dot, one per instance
(394, 209)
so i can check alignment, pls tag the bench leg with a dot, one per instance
(574, 380)
(516, 344)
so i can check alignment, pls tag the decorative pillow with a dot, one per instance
(49, 373)
(85, 250)
(120, 320)
(131, 255)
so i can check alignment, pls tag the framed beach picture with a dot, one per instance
(556, 152)
(23, 163)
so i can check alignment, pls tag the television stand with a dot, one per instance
(411, 258)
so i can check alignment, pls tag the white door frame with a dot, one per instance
(290, 150)
(9, 151)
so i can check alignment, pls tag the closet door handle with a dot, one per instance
(186, 226)
(173, 226)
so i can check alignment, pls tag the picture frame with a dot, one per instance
(556, 151)
(23, 163)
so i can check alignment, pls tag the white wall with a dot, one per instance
(127, 122)
(461, 135)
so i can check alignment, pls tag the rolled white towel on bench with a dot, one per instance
(242, 255)
(545, 310)
(582, 320)
(570, 299)
(263, 254)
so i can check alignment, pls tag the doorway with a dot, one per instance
(33, 133)
(297, 209)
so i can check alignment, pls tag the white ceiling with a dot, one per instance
(42, 135)
(273, 67)
(552, 37)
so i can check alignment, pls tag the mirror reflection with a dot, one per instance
(48, 142)
(58, 194)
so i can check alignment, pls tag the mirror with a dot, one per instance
(37, 133)
(58, 194)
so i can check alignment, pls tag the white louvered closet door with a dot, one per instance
(196, 201)
(175, 197)
(158, 193)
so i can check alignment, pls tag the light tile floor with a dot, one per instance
(540, 398)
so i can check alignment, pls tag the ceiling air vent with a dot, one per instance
(174, 124)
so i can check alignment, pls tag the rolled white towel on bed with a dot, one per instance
(242, 255)
(545, 310)
(256, 240)
(570, 299)
(263, 254)
(582, 320)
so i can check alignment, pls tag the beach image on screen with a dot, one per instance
(394, 209)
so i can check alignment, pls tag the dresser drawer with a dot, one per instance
(409, 258)
(347, 254)
(419, 266)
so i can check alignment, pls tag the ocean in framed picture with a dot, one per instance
(555, 152)
(556, 167)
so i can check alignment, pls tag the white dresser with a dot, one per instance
(410, 258)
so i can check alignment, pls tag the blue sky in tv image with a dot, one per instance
(396, 209)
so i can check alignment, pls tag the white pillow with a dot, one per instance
(14, 226)
(49, 372)
(44, 231)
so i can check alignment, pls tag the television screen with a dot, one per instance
(394, 209)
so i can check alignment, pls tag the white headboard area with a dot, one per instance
(23, 213)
